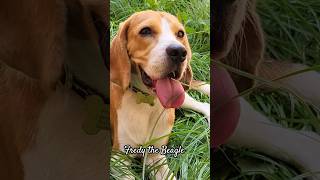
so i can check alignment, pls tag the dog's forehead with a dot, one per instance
(154, 18)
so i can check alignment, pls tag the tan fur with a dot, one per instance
(135, 126)
(132, 123)
(240, 43)
(272, 69)
(25, 78)
(32, 53)
(127, 48)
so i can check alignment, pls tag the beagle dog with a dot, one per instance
(150, 54)
(42, 112)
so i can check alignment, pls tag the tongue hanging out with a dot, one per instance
(170, 92)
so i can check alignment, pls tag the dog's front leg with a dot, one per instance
(300, 148)
(159, 166)
(190, 103)
(203, 108)
(201, 86)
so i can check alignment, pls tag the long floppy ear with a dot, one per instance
(98, 10)
(120, 66)
(228, 16)
(244, 48)
(187, 75)
(120, 70)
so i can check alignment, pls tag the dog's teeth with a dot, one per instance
(172, 75)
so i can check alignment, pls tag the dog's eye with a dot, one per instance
(145, 31)
(180, 34)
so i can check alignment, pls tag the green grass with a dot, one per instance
(191, 129)
(292, 32)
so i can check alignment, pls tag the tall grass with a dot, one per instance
(292, 31)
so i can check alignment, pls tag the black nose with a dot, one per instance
(177, 53)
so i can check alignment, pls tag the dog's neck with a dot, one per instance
(136, 83)
(144, 95)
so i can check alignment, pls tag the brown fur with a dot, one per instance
(33, 41)
(240, 44)
(126, 47)
(240, 41)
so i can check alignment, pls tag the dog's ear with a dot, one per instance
(241, 44)
(98, 10)
(187, 75)
(120, 66)
(228, 16)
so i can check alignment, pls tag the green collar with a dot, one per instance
(144, 95)
(97, 111)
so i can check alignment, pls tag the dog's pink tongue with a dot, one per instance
(170, 92)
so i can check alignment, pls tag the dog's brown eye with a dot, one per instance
(145, 31)
(180, 34)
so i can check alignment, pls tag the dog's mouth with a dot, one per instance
(147, 80)
(168, 89)
(150, 83)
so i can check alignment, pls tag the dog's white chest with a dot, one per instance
(62, 150)
(140, 123)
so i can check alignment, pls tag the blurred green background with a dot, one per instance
(292, 33)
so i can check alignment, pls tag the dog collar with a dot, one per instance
(86, 73)
(86, 66)
(96, 104)
(143, 94)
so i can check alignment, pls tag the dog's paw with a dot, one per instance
(206, 111)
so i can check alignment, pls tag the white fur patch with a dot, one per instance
(136, 122)
(157, 63)
(62, 150)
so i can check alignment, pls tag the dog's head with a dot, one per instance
(157, 45)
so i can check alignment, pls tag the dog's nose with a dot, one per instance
(177, 53)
